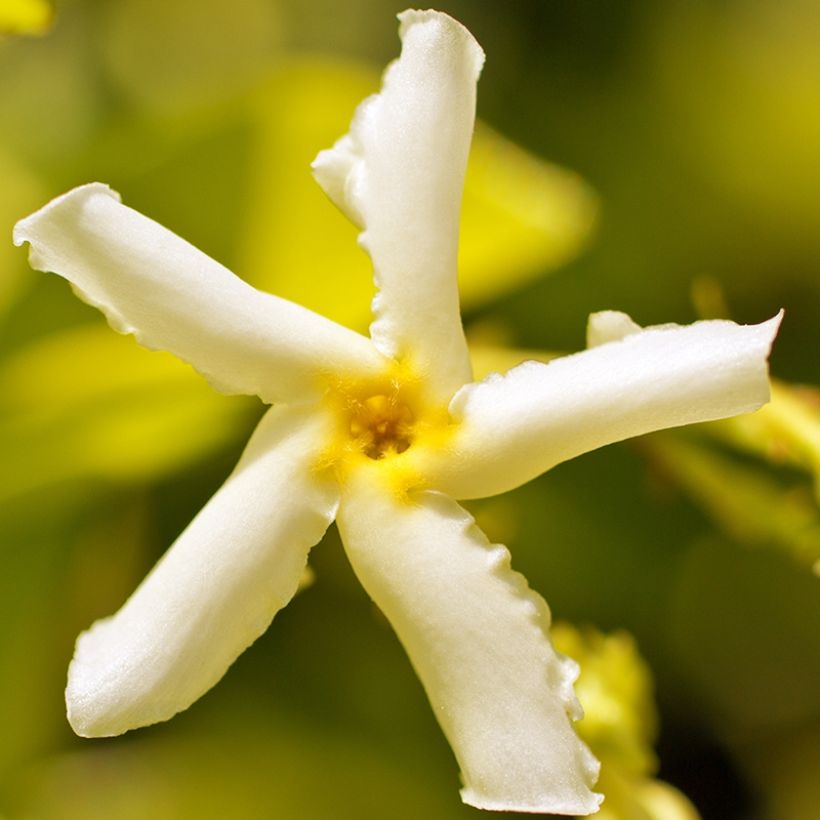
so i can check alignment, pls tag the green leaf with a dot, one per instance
(20, 193)
(88, 402)
(745, 500)
(785, 431)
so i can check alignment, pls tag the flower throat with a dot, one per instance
(381, 425)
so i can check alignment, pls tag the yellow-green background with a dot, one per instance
(697, 126)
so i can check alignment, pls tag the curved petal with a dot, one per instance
(477, 637)
(153, 284)
(214, 592)
(514, 427)
(398, 174)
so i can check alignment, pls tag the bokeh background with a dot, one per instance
(661, 158)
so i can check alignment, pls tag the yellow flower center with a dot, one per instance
(381, 424)
(387, 423)
(380, 420)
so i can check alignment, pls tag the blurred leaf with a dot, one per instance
(743, 629)
(20, 193)
(620, 725)
(521, 216)
(243, 772)
(88, 402)
(786, 767)
(31, 574)
(785, 431)
(50, 93)
(708, 298)
(63, 566)
(741, 80)
(746, 501)
(25, 16)
(172, 57)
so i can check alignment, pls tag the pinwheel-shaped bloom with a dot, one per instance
(381, 434)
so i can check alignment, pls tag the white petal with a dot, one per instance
(511, 428)
(399, 175)
(171, 296)
(214, 592)
(477, 637)
(609, 326)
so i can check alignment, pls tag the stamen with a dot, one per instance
(381, 425)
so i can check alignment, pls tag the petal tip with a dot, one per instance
(446, 28)
(335, 171)
(580, 805)
(84, 719)
(85, 708)
(767, 331)
(79, 720)
(609, 326)
(773, 325)
(23, 230)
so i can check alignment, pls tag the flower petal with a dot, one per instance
(398, 174)
(477, 637)
(610, 326)
(511, 428)
(153, 284)
(214, 592)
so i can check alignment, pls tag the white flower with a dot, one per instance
(380, 434)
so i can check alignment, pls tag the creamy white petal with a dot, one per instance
(477, 637)
(171, 296)
(609, 326)
(216, 589)
(398, 174)
(509, 429)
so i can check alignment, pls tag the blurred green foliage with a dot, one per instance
(696, 125)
